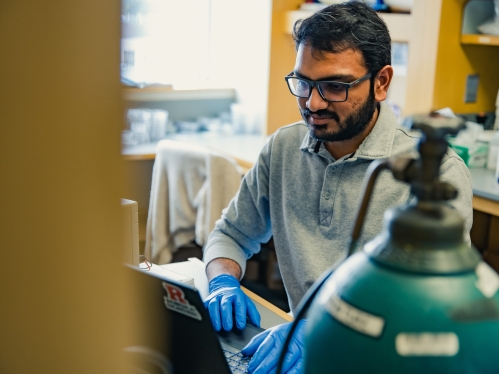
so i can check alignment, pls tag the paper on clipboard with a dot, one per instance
(192, 268)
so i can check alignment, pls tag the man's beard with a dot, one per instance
(351, 127)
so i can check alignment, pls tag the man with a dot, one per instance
(306, 187)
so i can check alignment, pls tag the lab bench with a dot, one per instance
(485, 230)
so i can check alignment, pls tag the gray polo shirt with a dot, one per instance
(308, 201)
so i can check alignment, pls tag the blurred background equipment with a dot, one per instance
(399, 5)
(145, 126)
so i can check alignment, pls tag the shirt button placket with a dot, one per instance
(326, 212)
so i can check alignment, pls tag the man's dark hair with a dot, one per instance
(352, 25)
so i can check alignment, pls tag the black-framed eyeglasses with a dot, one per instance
(329, 90)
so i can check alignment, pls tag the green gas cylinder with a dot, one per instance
(417, 298)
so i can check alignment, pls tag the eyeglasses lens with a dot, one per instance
(331, 91)
(299, 87)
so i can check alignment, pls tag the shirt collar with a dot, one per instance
(378, 144)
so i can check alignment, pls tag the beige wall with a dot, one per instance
(282, 108)
(63, 290)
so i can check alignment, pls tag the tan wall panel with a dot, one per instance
(282, 106)
(423, 50)
(64, 303)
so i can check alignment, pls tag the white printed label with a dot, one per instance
(488, 279)
(427, 344)
(484, 39)
(175, 300)
(354, 318)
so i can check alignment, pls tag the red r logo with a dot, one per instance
(175, 294)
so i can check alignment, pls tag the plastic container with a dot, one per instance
(497, 169)
(496, 123)
(159, 120)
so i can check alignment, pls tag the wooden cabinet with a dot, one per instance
(454, 61)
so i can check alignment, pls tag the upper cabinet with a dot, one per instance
(456, 61)
(476, 13)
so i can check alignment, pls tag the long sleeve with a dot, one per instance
(245, 223)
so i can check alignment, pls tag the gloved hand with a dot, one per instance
(268, 346)
(227, 297)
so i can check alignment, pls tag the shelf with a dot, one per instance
(399, 24)
(480, 39)
(244, 148)
(476, 13)
(168, 94)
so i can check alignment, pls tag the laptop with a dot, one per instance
(173, 332)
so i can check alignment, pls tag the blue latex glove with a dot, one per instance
(268, 346)
(226, 298)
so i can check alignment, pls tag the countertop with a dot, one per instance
(245, 148)
(485, 184)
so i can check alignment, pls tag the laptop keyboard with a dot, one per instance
(237, 362)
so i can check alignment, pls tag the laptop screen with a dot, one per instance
(173, 325)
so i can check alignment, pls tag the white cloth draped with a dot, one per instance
(191, 185)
